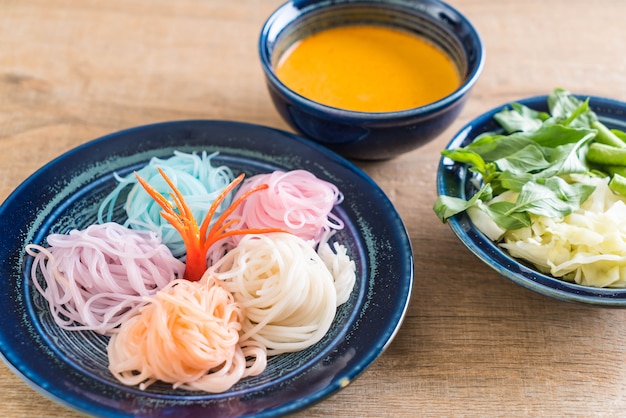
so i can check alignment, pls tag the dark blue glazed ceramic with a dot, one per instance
(364, 135)
(71, 366)
(453, 179)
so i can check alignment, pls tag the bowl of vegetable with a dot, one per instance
(351, 75)
(536, 189)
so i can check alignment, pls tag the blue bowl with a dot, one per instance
(369, 135)
(454, 179)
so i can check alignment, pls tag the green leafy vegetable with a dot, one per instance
(504, 214)
(448, 206)
(520, 119)
(534, 157)
(527, 160)
(568, 110)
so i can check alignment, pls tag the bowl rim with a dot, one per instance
(452, 176)
(292, 10)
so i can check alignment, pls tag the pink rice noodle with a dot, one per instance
(295, 201)
(93, 279)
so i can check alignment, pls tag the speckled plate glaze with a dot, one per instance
(71, 367)
(453, 179)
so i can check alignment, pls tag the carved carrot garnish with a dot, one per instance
(196, 238)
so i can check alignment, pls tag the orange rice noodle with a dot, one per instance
(94, 279)
(188, 335)
(285, 288)
(295, 201)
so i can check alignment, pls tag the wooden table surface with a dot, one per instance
(473, 343)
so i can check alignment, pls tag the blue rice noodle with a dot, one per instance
(194, 175)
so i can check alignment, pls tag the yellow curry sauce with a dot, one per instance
(368, 68)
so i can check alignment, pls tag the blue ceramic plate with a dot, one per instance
(453, 179)
(71, 367)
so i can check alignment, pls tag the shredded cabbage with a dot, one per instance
(587, 247)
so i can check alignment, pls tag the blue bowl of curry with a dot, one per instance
(370, 79)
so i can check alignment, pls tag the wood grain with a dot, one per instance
(473, 343)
